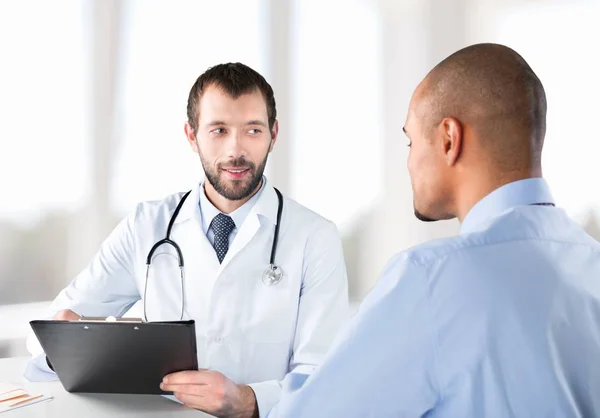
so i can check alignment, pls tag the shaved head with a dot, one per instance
(491, 88)
(476, 121)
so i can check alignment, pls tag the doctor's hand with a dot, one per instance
(212, 392)
(66, 315)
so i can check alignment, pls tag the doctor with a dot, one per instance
(263, 277)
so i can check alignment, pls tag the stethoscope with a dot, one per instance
(271, 276)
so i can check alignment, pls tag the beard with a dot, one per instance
(420, 216)
(424, 218)
(235, 189)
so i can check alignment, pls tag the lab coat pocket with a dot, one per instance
(271, 317)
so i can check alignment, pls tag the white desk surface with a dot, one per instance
(92, 405)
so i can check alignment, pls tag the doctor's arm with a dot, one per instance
(323, 308)
(105, 287)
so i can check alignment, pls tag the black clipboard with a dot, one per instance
(117, 357)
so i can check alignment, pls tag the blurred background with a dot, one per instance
(93, 96)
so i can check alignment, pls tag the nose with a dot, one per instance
(235, 145)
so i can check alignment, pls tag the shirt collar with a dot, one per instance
(208, 211)
(518, 193)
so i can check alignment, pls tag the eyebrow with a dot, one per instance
(256, 122)
(250, 122)
(215, 123)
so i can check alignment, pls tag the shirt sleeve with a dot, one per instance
(384, 362)
(37, 370)
(267, 394)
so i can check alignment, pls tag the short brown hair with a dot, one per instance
(235, 79)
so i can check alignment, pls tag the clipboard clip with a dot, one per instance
(109, 319)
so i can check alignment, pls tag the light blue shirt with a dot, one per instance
(500, 321)
(208, 211)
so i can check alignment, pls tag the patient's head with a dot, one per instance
(475, 122)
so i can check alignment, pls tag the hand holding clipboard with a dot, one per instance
(121, 355)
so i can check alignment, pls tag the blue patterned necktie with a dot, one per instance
(222, 225)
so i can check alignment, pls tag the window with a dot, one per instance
(559, 40)
(42, 102)
(168, 45)
(337, 138)
(43, 143)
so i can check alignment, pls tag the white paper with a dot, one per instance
(13, 397)
(7, 387)
(6, 396)
(7, 408)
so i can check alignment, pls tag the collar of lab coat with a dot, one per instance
(266, 205)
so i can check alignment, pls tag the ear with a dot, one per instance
(191, 137)
(274, 134)
(452, 137)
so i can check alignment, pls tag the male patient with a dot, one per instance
(502, 320)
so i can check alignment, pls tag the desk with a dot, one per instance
(92, 405)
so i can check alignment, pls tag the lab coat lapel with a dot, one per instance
(244, 236)
(266, 206)
(190, 211)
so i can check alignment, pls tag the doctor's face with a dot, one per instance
(233, 140)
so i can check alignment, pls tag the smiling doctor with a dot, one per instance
(263, 277)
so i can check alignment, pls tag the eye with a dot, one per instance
(254, 131)
(218, 131)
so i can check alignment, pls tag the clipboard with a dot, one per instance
(94, 356)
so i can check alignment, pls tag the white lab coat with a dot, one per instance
(252, 333)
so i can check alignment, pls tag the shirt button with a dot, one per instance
(219, 340)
